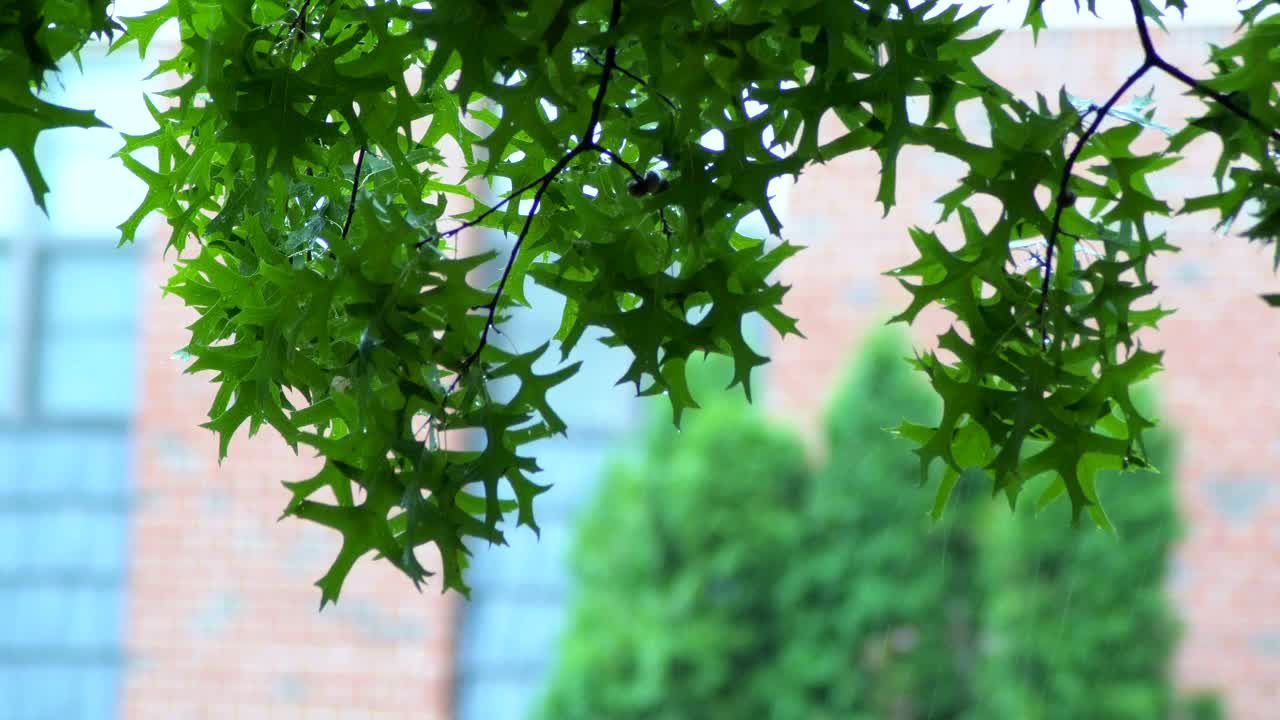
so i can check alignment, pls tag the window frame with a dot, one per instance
(32, 255)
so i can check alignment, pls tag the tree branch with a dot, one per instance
(548, 175)
(496, 207)
(1151, 59)
(355, 189)
(586, 143)
(638, 80)
(1154, 59)
(299, 24)
(1063, 199)
(1223, 100)
(617, 160)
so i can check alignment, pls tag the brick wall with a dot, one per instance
(221, 612)
(1221, 348)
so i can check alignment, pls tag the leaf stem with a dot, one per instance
(617, 160)
(638, 80)
(1151, 59)
(1154, 59)
(1061, 202)
(586, 143)
(355, 189)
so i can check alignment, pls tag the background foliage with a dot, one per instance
(1047, 577)
(828, 597)
(699, 635)
(319, 161)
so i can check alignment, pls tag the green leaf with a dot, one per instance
(23, 116)
(336, 183)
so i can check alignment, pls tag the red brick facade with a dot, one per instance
(222, 619)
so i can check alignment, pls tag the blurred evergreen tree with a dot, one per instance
(674, 563)
(879, 602)
(718, 577)
(1078, 624)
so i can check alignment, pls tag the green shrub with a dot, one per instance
(879, 604)
(675, 562)
(720, 577)
(1078, 622)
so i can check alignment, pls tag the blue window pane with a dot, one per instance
(97, 696)
(104, 554)
(80, 542)
(48, 465)
(67, 388)
(92, 192)
(107, 462)
(37, 694)
(63, 535)
(89, 306)
(16, 204)
(21, 524)
(8, 328)
(68, 307)
(38, 620)
(12, 553)
(93, 620)
(90, 289)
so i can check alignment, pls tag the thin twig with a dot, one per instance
(1062, 201)
(548, 175)
(639, 81)
(495, 208)
(1223, 100)
(299, 23)
(585, 144)
(355, 189)
(491, 307)
(617, 160)
(1154, 58)
(1151, 59)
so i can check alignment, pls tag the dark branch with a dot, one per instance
(617, 160)
(548, 175)
(610, 64)
(355, 189)
(1151, 59)
(638, 80)
(1062, 201)
(586, 143)
(1155, 60)
(491, 308)
(496, 207)
(1223, 100)
(299, 23)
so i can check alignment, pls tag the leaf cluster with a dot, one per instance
(35, 36)
(326, 166)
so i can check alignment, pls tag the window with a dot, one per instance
(68, 383)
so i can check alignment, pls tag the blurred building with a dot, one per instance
(69, 394)
(158, 584)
